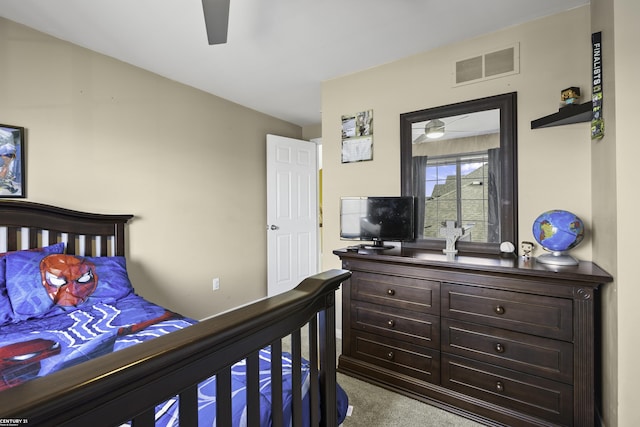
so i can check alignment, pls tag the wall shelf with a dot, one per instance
(565, 116)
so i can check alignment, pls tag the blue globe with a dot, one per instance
(558, 230)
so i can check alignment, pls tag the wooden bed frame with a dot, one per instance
(127, 384)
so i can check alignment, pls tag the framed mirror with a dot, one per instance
(459, 162)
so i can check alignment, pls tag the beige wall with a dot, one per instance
(554, 163)
(107, 137)
(626, 34)
(311, 132)
(604, 205)
(559, 167)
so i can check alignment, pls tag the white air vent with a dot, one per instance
(499, 63)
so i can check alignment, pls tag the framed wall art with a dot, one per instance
(12, 171)
(357, 137)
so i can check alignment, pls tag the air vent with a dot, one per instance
(499, 63)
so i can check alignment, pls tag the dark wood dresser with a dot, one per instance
(503, 341)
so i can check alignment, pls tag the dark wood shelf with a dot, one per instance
(565, 116)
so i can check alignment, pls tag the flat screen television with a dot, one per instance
(377, 219)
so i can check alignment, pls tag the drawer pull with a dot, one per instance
(499, 309)
(499, 386)
(390, 355)
(499, 348)
(391, 292)
(391, 323)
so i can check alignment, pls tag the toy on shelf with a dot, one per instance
(527, 249)
(570, 96)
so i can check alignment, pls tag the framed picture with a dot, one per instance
(12, 170)
(357, 137)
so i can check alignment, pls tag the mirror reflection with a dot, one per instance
(454, 161)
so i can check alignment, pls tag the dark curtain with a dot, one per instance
(419, 188)
(493, 217)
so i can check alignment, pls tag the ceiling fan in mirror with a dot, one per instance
(437, 128)
(216, 19)
(453, 127)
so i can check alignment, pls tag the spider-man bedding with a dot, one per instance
(58, 310)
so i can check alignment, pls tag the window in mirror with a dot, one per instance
(456, 189)
(459, 163)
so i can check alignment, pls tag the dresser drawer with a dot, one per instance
(401, 357)
(545, 357)
(533, 314)
(394, 291)
(410, 326)
(539, 397)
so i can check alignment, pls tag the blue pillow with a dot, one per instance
(49, 284)
(6, 312)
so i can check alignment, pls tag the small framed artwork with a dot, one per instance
(357, 137)
(12, 172)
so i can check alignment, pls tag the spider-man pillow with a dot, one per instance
(6, 312)
(43, 284)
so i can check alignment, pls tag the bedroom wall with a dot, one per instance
(620, 18)
(107, 137)
(554, 164)
(604, 205)
(558, 167)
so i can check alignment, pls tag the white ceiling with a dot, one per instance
(278, 51)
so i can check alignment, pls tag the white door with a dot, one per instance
(292, 212)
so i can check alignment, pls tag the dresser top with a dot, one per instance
(585, 271)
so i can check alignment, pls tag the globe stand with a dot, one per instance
(557, 258)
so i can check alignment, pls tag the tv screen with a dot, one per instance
(377, 219)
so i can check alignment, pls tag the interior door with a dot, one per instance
(292, 212)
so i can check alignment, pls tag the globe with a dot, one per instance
(558, 231)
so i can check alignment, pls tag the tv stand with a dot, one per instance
(377, 245)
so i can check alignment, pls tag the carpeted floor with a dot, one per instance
(373, 406)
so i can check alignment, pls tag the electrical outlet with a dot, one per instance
(216, 283)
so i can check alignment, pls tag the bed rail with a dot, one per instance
(127, 384)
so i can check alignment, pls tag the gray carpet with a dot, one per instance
(377, 407)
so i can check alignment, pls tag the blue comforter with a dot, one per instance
(38, 347)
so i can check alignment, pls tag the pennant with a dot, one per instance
(597, 119)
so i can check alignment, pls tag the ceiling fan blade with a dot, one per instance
(421, 139)
(216, 19)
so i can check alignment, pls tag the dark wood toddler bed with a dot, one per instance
(127, 385)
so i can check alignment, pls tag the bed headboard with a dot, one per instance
(25, 225)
